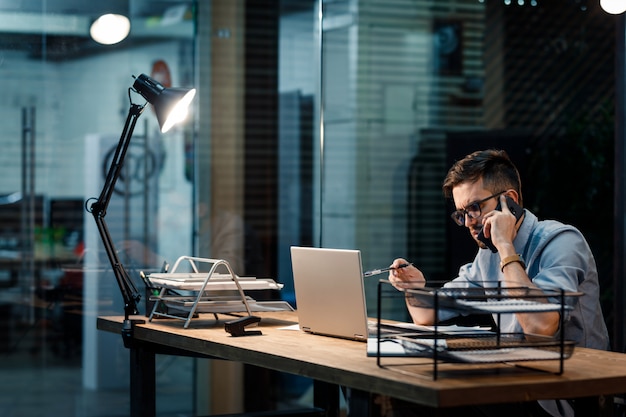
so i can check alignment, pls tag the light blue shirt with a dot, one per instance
(557, 256)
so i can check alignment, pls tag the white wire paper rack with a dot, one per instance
(181, 295)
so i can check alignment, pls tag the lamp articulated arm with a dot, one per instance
(98, 209)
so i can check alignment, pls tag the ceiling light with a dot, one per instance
(613, 6)
(109, 29)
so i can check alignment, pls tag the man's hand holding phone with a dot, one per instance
(499, 225)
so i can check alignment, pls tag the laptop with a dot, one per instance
(330, 297)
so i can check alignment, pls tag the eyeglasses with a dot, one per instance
(473, 210)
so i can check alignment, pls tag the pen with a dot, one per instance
(380, 271)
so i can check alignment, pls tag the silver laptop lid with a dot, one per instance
(330, 297)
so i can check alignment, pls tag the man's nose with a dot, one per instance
(469, 221)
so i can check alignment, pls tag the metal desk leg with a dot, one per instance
(142, 382)
(326, 397)
(359, 403)
(601, 406)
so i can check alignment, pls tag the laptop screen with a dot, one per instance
(330, 297)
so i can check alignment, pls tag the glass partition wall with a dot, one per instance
(66, 100)
(410, 86)
(317, 123)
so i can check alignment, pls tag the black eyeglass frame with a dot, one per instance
(458, 216)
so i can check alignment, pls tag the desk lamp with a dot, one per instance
(170, 106)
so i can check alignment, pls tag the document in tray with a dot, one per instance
(395, 327)
(489, 300)
(195, 281)
(503, 355)
(194, 276)
(510, 305)
(390, 345)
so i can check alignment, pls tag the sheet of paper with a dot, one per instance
(387, 348)
(443, 329)
(292, 327)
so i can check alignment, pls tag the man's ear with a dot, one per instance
(514, 195)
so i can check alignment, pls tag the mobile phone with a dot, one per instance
(515, 209)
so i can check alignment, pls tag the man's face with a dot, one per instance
(465, 195)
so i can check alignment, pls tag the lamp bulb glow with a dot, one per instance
(179, 112)
(110, 29)
(613, 6)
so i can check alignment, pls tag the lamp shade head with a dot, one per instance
(170, 104)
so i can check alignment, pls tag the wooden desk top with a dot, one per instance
(344, 362)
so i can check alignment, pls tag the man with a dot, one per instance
(529, 253)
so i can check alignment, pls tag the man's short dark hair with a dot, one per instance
(492, 165)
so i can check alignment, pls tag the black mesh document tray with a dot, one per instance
(479, 347)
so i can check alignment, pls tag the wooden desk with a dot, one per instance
(343, 362)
